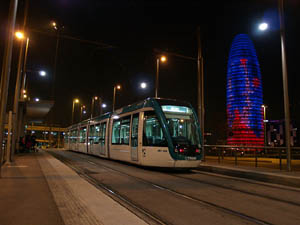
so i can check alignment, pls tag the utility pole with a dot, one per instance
(285, 87)
(21, 62)
(6, 66)
(200, 89)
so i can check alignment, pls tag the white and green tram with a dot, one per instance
(154, 132)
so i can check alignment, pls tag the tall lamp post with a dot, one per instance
(95, 98)
(75, 101)
(82, 111)
(116, 87)
(264, 26)
(158, 60)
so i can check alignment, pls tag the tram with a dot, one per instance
(155, 132)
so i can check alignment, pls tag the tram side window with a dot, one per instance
(153, 134)
(97, 133)
(115, 139)
(102, 134)
(134, 130)
(82, 135)
(125, 130)
(91, 133)
(66, 137)
(73, 136)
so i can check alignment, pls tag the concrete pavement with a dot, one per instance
(39, 189)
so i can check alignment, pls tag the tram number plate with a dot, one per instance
(190, 158)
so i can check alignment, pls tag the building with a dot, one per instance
(244, 95)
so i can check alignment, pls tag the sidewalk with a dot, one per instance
(37, 189)
(269, 173)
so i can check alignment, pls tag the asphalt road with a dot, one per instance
(188, 197)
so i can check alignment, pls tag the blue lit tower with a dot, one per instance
(244, 95)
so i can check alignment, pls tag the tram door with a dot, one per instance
(134, 137)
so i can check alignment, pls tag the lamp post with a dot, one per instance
(116, 87)
(82, 111)
(285, 84)
(95, 98)
(75, 101)
(162, 59)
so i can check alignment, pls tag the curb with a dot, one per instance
(258, 176)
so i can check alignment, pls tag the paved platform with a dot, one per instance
(39, 189)
(265, 173)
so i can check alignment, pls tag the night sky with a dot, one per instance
(135, 28)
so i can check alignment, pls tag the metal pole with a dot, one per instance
(92, 108)
(9, 139)
(15, 132)
(285, 87)
(24, 83)
(73, 112)
(114, 99)
(100, 102)
(156, 78)
(5, 75)
(200, 90)
(16, 99)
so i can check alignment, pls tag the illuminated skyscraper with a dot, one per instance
(244, 95)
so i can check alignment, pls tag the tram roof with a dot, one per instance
(149, 102)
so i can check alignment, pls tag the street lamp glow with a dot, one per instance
(143, 85)
(118, 87)
(42, 73)
(163, 58)
(96, 97)
(263, 26)
(104, 105)
(37, 99)
(20, 35)
(76, 100)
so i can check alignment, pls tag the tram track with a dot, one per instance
(155, 218)
(238, 190)
(245, 180)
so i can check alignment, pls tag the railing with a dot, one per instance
(248, 155)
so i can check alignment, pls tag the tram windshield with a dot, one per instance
(182, 125)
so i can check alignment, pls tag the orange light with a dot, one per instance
(96, 97)
(20, 35)
(118, 87)
(76, 100)
(163, 58)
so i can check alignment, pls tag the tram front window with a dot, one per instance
(182, 125)
(153, 134)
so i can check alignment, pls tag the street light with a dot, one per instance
(263, 26)
(143, 85)
(116, 87)
(20, 35)
(95, 98)
(42, 73)
(162, 59)
(36, 99)
(285, 87)
(75, 101)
